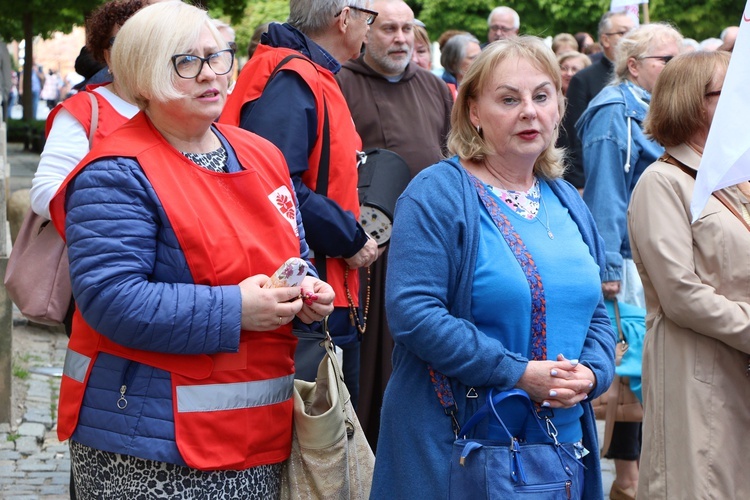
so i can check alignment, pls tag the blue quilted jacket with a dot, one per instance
(132, 283)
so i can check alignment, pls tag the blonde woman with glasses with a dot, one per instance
(179, 373)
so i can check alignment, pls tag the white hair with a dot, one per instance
(505, 10)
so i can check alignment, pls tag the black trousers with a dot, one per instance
(626, 441)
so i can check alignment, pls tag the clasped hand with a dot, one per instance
(557, 384)
(265, 309)
(366, 255)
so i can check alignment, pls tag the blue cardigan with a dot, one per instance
(433, 254)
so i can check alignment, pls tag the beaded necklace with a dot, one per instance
(353, 314)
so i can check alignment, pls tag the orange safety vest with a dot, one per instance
(454, 90)
(231, 410)
(343, 138)
(79, 106)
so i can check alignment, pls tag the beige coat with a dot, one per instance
(696, 428)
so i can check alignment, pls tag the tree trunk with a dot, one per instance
(28, 65)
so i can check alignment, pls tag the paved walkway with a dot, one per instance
(33, 463)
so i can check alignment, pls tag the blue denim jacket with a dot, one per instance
(611, 174)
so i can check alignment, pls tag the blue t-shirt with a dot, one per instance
(501, 298)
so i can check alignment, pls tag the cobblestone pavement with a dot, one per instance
(33, 463)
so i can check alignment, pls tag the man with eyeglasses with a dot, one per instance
(287, 93)
(411, 118)
(503, 22)
(584, 86)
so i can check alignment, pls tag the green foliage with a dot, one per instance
(564, 16)
(443, 15)
(31, 134)
(699, 20)
(539, 17)
(256, 13)
(47, 17)
(20, 373)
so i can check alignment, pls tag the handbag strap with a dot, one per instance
(442, 387)
(668, 158)
(440, 382)
(493, 399)
(344, 396)
(94, 118)
(618, 322)
(523, 256)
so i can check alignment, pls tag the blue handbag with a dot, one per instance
(491, 469)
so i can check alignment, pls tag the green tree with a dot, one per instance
(538, 17)
(697, 20)
(32, 18)
(254, 14)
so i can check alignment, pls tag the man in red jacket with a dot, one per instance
(287, 93)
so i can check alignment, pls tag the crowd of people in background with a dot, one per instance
(491, 129)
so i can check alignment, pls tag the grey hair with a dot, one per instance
(724, 32)
(222, 27)
(454, 51)
(505, 10)
(710, 44)
(605, 23)
(637, 43)
(313, 17)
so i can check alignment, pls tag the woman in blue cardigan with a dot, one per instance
(460, 301)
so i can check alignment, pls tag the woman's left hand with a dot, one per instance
(569, 393)
(317, 296)
(557, 384)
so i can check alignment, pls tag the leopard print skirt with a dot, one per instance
(100, 474)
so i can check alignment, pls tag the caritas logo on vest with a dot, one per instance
(283, 200)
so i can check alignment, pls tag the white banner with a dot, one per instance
(618, 5)
(726, 157)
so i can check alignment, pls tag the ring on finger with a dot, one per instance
(280, 320)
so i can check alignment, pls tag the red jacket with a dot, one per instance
(344, 140)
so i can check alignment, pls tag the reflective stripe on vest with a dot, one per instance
(76, 365)
(233, 396)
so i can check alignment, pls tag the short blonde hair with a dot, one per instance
(421, 36)
(574, 54)
(637, 43)
(562, 39)
(464, 140)
(678, 101)
(141, 56)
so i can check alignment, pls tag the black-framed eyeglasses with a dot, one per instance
(617, 33)
(371, 14)
(233, 46)
(713, 93)
(664, 59)
(190, 66)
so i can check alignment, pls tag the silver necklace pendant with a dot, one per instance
(546, 213)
